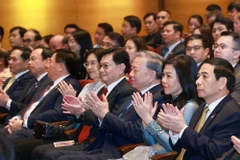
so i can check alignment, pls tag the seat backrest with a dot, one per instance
(83, 82)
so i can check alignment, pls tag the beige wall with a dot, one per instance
(50, 16)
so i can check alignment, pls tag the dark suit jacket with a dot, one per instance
(15, 90)
(27, 95)
(115, 99)
(121, 128)
(179, 49)
(49, 109)
(214, 138)
(236, 91)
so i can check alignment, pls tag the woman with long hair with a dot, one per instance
(178, 81)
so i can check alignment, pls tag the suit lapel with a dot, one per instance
(215, 112)
(237, 68)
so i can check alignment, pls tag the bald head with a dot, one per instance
(58, 42)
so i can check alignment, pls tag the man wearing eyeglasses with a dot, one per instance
(228, 48)
(196, 46)
(31, 39)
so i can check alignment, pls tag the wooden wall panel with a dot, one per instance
(50, 16)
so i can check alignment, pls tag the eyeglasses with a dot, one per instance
(104, 66)
(222, 46)
(90, 63)
(194, 48)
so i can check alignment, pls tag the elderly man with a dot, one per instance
(208, 135)
(123, 126)
(58, 42)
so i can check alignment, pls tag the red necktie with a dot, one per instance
(104, 93)
(84, 133)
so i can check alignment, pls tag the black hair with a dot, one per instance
(222, 68)
(22, 30)
(119, 56)
(150, 14)
(117, 38)
(106, 27)
(176, 26)
(186, 69)
(134, 21)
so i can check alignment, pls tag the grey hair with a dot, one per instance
(154, 61)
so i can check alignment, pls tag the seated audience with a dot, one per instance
(58, 42)
(210, 13)
(134, 45)
(79, 42)
(154, 37)
(69, 29)
(171, 34)
(131, 26)
(45, 41)
(31, 39)
(24, 148)
(207, 33)
(236, 23)
(112, 39)
(16, 36)
(208, 135)
(46, 106)
(101, 31)
(162, 17)
(233, 9)
(228, 47)
(178, 81)
(220, 25)
(194, 21)
(196, 46)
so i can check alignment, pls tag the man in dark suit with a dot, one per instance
(228, 48)
(38, 63)
(154, 37)
(46, 106)
(115, 64)
(171, 34)
(124, 126)
(18, 65)
(208, 135)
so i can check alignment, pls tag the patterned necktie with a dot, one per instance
(10, 82)
(197, 128)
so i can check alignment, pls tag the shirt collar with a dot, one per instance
(214, 104)
(20, 74)
(41, 76)
(112, 85)
(147, 89)
(56, 82)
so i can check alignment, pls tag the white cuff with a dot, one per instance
(9, 102)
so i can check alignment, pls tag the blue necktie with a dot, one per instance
(165, 52)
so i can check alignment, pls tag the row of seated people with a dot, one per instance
(120, 117)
